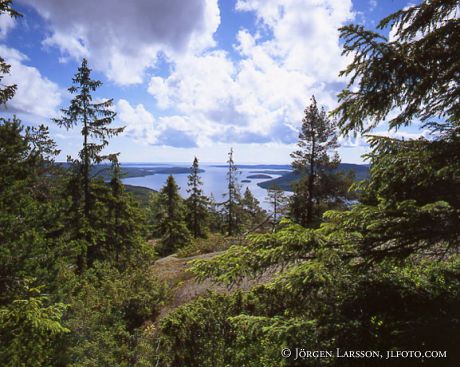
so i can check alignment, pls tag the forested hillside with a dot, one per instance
(289, 179)
(358, 267)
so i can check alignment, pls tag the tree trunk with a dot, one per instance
(311, 183)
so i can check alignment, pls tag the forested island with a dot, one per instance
(357, 265)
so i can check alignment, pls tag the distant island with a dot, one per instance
(271, 172)
(259, 166)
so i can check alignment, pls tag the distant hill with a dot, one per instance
(103, 170)
(285, 181)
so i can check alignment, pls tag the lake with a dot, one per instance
(214, 180)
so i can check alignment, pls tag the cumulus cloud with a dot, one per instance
(143, 127)
(124, 38)
(35, 95)
(255, 94)
(260, 95)
(139, 122)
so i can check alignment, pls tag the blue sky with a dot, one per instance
(188, 78)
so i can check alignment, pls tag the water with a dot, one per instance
(214, 181)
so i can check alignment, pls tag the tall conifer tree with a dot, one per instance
(94, 118)
(197, 203)
(170, 219)
(233, 194)
(317, 139)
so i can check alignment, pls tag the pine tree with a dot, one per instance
(170, 219)
(278, 201)
(197, 203)
(234, 197)
(317, 138)
(95, 118)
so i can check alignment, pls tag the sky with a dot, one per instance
(188, 78)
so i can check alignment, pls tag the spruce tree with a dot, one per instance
(415, 75)
(124, 223)
(170, 219)
(317, 139)
(197, 203)
(412, 183)
(94, 118)
(233, 196)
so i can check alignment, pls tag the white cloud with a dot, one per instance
(123, 38)
(139, 122)
(305, 33)
(257, 96)
(35, 95)
(141, 126)
(260, 96)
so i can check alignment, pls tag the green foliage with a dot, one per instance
(321, 186)
(43, 233)
(410, 203)
(214, 242)
(279, 204)
(252, 215)
(197, 203)
(319, 295)
(286, 181)
(382, 275)
(108, 310)
(6, 91)
(94, 119)
(141, 194)
(169, 219)
(264, 252)
(417, 71)
(124, 225)
(201, 330)
(30, 217)
(232, 209)
(216, 217)
(29, 328)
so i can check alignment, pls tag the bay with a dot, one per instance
(214, 180)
